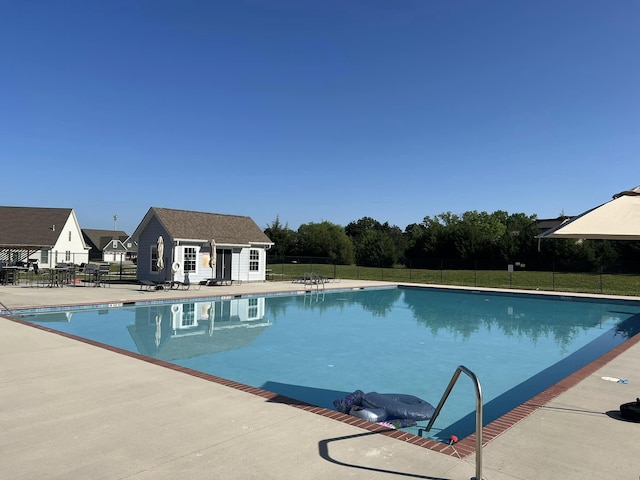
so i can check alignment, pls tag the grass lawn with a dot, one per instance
(609, 284)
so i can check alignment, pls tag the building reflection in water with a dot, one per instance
(185, 330)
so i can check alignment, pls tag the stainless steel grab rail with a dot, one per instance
(445, 395)
(6, 309)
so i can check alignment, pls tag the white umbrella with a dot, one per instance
(212, 259)
(618, 219)
(158, 328)
(160, 259)
(212, 318)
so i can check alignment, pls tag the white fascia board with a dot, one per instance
(179, 241)
(191, 240)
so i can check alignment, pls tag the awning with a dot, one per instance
(618, 219)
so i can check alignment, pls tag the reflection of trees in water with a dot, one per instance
(464, 313)
(629, 327)
(377, 302)
(380, 304)
(275, 306)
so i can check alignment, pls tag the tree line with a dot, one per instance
(471, 240)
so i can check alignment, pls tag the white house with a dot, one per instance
(46, 235)
(109, 245)
(240, 246)
(114, 251)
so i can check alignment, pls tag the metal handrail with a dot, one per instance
(6, 309)
(314, 280)
(445, 395)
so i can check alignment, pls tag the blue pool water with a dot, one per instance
(319, 347)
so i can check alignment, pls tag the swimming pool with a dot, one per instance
(318, 347)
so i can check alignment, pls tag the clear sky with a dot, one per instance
(318, 110)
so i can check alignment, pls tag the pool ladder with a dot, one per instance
(445, 395)
(6, 309)
(313, 280)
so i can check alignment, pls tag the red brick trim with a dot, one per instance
(463, 448)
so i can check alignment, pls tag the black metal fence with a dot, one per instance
(475, 273)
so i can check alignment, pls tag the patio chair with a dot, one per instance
(42, 278)
(219, 281)
(90, 272)
(185, 285)
(103, 276)
(148, 285)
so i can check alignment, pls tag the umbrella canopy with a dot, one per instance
(212, 317)
(158, 335)
(160, 259)
(212, 259)
(618, 219)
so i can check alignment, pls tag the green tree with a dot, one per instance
(415, 238)
(429, 239)
(325, 239)
(472, 235)
(518, 242)
(569, 254)
(360, 227)
(283, 237)
(477, 234)
(397, 239)
(375, 244)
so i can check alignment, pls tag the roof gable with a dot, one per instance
(31, 226)
(202, 226)
(118, 248)
(101, 238)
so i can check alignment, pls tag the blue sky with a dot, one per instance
(318, 110)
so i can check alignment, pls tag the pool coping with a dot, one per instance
(461, 449)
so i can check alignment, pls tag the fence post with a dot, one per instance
(600, 278)
(475, 272)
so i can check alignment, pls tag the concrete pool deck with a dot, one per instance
(70, 409)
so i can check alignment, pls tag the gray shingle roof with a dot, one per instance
(225, 229)
(100, 238)
(22, 227)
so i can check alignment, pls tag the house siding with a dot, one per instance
(201, 272)
(45, 235)
(258, 275)
(238, 266)
(149, 238)
(117, 254)
(244, 260)
(66, 250)
(114, 257)
(240, 259)
(183, 229)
